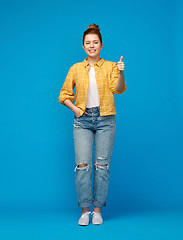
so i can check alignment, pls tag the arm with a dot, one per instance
(67, 89)
(71, 106)
(121, 82)
(120, 85)
(117, 80)
(67, 96)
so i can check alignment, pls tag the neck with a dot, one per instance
(92, 61)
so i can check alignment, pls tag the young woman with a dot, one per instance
(96, 80)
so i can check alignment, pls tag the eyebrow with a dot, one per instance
(93, 40)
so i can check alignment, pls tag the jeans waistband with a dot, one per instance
(93, 109)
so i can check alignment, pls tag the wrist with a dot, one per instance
(74, 108)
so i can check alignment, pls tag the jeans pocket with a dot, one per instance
(109, 120)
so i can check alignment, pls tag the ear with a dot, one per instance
(101, 46)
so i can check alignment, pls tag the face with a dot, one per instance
(92, 45)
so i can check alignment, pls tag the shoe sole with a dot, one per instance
(83, 224)
(97, 223)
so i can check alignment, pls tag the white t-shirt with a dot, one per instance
(93, 98)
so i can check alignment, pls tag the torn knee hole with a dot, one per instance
(101, 165)
(82, 165)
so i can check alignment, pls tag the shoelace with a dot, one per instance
(95, 213)
(84, 214)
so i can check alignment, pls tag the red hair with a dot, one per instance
(92, 29)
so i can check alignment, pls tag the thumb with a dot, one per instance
(121, 59)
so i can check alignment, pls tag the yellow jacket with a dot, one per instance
(106, 74)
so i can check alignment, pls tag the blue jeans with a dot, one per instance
(87, 129)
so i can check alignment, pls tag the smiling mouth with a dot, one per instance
(92, 51)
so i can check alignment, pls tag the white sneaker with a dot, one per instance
(97, 218)
(84, 219)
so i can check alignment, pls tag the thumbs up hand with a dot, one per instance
(121, 65)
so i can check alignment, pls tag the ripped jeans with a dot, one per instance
(87, 129)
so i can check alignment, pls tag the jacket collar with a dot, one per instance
(99, 63)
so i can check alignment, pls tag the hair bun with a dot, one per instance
(92, 29)
(93, 26)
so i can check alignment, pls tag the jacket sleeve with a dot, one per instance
(114, 78)
(67, 90)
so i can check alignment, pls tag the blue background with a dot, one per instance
(39, 42)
